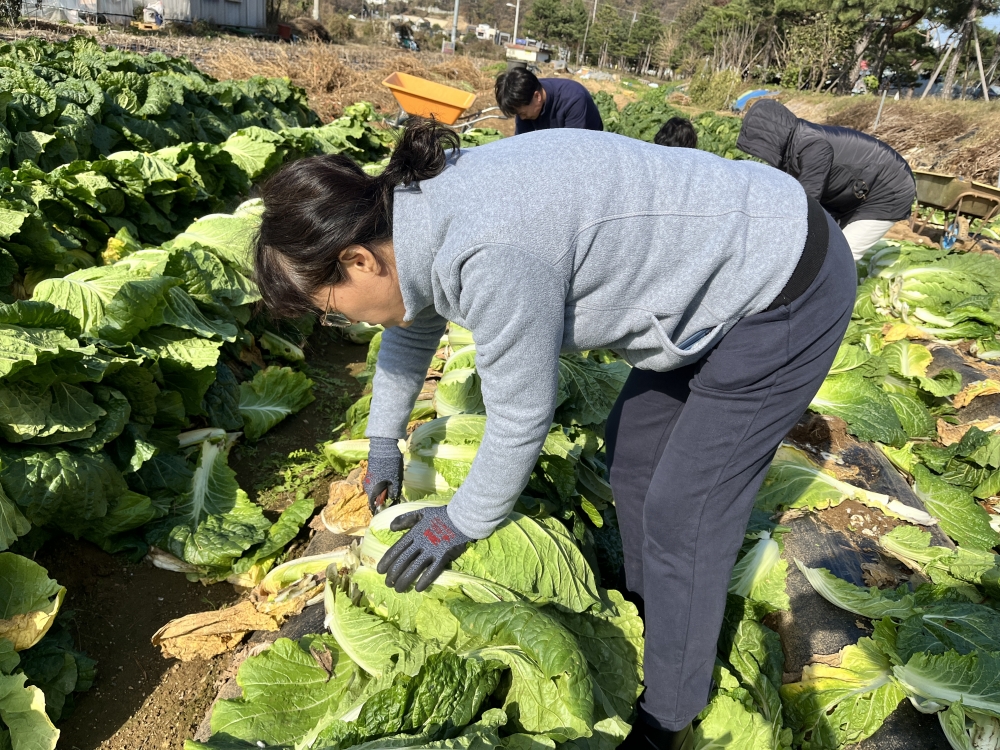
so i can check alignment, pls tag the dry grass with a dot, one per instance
(338, 75)
(908, 123)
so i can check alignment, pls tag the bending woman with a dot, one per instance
(719, 281)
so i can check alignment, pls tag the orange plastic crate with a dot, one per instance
(422, 98)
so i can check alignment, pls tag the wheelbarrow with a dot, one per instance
(418, 97)
(961, 200)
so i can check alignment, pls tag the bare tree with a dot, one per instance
(666, 45)
(991, 69)
(10, 12)
(735, 46)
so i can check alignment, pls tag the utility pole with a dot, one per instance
(315, 10)
(517, 17)
(454, 26)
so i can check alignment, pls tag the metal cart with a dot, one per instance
(961, 200)
(418, 97)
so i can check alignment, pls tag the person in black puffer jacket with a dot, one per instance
(863, 183)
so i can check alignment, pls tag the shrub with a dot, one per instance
(714, 90)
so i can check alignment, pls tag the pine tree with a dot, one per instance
(544, 19)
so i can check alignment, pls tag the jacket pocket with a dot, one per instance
(692, 345)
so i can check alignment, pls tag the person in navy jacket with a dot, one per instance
(541, 104)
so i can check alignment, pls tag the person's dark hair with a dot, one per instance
(314, 208)
(514, 89)
(678, 132)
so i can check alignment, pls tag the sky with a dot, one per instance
(990, 22)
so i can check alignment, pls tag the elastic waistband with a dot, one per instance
(811, 260)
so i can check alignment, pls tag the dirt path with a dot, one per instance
(141, 701)
(118, 606)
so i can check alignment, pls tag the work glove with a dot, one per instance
(384, 477)
(431, 544)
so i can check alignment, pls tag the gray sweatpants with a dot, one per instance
(688, 450)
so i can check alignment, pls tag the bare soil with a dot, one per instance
(118, 606)
(141, 701)
(820, 434)
(853, 517)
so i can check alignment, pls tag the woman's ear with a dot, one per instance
(357, 259)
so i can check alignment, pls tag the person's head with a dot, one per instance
(325, 237)
(677, 132)
(519, 92)
(767, 131)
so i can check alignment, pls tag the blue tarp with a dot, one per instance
(740, 103)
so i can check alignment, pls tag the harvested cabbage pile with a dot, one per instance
(884, 383)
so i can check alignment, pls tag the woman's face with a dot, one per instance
(370, 294)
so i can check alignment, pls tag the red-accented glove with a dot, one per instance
(431, 545)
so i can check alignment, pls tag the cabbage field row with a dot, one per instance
(134, 354)
(56, 222)
(643, 117)
(78, 100)
(123, 387)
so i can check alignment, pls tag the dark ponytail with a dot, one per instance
(314, 208)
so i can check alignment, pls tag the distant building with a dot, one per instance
(244, 14)
(420, 22)
(79, 11)
(486, 32)
(527, 54)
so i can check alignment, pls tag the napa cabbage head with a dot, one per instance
(535, 557)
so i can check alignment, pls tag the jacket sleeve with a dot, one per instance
(515, 307)
(815, 162)
(403, 359)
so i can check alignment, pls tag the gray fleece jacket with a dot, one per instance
(569, 240)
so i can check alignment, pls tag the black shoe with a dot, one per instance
(646, 737)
